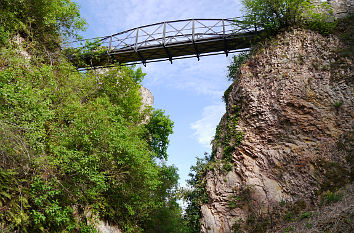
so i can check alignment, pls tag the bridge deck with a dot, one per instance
(158, 42)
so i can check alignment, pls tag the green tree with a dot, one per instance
(159, 127)
(167, 217)
(236, 63)
(196, 195)
(45, 21)
(273, 15)
(79, 140)
(76, 142)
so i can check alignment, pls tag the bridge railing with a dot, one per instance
(167, 33)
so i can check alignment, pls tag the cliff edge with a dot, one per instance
(288, 134)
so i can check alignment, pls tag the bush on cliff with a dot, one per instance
(44, 21)
(273, 15)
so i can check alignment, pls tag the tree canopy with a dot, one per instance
(40, 20)
(76, 146)
(273, 15)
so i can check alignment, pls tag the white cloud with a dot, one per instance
(205, 127)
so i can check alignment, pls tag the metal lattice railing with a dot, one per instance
(167, 34)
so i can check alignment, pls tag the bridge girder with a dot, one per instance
(168, 41)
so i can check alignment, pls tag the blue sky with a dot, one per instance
(189, 91)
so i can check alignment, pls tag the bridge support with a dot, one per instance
(141, 58)
(196, 50)
(136, 48)
(193, 39)
(226, 50)
(168, 53)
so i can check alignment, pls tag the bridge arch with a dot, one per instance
(169, 40)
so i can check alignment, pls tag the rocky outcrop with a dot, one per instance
(105, 227)
(147, 97)
(342, 8)
(295, 106)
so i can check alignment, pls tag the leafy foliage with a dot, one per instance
(77, 141)
(236, 63)
(160, 127)
(273, 15)
(41, 20)
(331, 197)
(12, 210)
(197, 195)
(319, 17)
(88, 53)
(168, 216)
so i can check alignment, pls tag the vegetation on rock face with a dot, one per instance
(226, 136)
(76, 141)
(40, 20)
(197, 195)
(75, 146)
(273, 15)
(234, 67)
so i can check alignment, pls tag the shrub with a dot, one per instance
(305, 215)
(4, 36)
(43, 20)
(78, 139)
(197, 195)
(236, 63)
(318, 17)
(273, 15)
(159, 127)
(331, 197)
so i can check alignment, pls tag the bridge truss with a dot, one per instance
(165, 41)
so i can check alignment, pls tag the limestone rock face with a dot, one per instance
(147, 97)
(342, 8)
(100, 226)
(296, 103)
(104, 227)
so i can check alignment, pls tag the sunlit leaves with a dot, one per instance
(273, 15)
(160, 127)
(88, 144)
(42, 20)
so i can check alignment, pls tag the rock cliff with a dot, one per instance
(342, 8)
(292, 104)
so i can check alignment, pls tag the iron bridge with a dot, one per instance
(165, 41)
